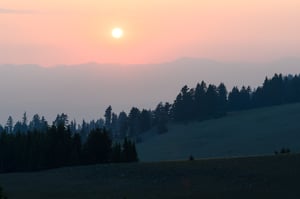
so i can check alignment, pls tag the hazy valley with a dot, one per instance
(85, 91)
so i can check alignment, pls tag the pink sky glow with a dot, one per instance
(52, 32)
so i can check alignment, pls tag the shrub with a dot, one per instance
(283, 151)
(2, 196)
(191, 158)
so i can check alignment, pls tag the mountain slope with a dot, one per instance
(253, 132)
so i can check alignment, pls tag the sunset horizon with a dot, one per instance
(53, 33)
(157, 99)
(125, 43)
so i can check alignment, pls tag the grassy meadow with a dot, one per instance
(246, 168)
(251, 177)
(245, 133)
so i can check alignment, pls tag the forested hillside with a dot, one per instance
(37, 144)
(243, 133)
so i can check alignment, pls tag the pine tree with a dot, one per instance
(200, 101)
(107, 116)
(134, 155)
(97, 148)
(161, 117)
(145, 120)
(212, 101)
(76, 149)
(9, 125)
(222, 99)
(125, 154)
(182, 108)
(122, 125)
(24, 127)
(134, 122)
(114, 126)
(116, 153)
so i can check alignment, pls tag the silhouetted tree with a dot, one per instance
(24, 123)
(245, 98)
(161, 117)
(76, 152)
(145, 120)
(212, 101)
(114, 125)
(107, 116)
(18, 127)
(9, 125)
(122, 125)
(59, 145)
(182, 109)
(97, 148)
(222, 99)
(61, 121)
(134, 122)
(129, 153)
(73, 126)
(200, 101)
(116, 153)
(84, 131)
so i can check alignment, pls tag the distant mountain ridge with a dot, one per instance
(84, 91)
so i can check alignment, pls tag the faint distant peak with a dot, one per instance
(32, 66)
(195, 59)
(291, 59)
(16, 11)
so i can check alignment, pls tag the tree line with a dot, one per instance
(56, 146)
(203, 102)
(206, 102)
(35, 144)
(191, 104)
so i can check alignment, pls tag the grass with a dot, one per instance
(253, 132)
(247, 133)
(250, 177)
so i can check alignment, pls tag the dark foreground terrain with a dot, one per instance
(251, 177)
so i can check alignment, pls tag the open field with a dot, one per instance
(251, 177)
(253, 132)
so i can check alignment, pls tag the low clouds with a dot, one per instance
(13, 11)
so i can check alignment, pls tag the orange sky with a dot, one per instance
(52, 32)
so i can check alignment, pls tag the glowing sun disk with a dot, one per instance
(117, 33)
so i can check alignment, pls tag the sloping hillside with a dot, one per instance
(253, 132)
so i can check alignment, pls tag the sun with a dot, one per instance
(117, 33)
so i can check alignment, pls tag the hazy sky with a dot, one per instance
(51, 32)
